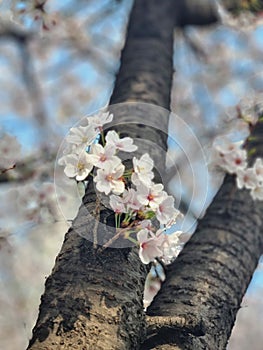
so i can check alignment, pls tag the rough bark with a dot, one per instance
(93, 300)
(197, 305)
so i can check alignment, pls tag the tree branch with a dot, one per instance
(205, 285)
(95, 300)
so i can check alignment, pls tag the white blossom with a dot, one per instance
(171, 246)
(150, 247)
(97, 121)
(258, 168)
(228, 155)
(257, 192)
(146, 224)
(99, 156)
(152, 195)
(130, 199)
(235, 161)
(142, 170)
(82, 136)
(246, 178)
(125, 144)
(38, 202)
(77, 166)
(110, 179)
(117, 205)
(166, 210)
(223, 145)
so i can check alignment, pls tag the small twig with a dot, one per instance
(114, 238)
(6, 170)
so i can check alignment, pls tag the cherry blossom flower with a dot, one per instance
(152, 286)
(110, 178)
(146, 224)
(77, 166)
(228, 155)
(117, 205)
(223, 145)
(150, 247)
(142, 170)
(37, 202)
(97, 121)
(152, 195)
(258, 167)
(82, 136)
(99, 156)
(125, 144)
(145, 202)
(130, 199)
(257, 192)
(171, 246)
(246, 178)
(235, 161)
(166, 210)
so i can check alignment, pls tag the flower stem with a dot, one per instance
(102, 138)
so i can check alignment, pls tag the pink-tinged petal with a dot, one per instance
(117, 187)
(142, 235)
(70, 170)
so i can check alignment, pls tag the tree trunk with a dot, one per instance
(94, 300)
(197, 305)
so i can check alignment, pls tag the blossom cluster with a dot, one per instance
(37, 202)
(232, 157)
(133, 196)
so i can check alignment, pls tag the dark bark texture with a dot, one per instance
(205, 285)
(197, 305)
(93, 300)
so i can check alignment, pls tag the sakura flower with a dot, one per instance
(77, 166)
(228, 155)
(70, 148)
(150, 248)
(248, 110)
(125, 144)
(258, 167)
(235, 161)
(142, 170)
(223, 145)
(166, 210)
(99, 155)
(82, 136)
(97, 121)
(152, 286)
(147, 224)
(246, 178)
(110, 178)
(130, 199)
(117, 205)
(257, 192)
(171, 246)
(152, 195)
(173, 219)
